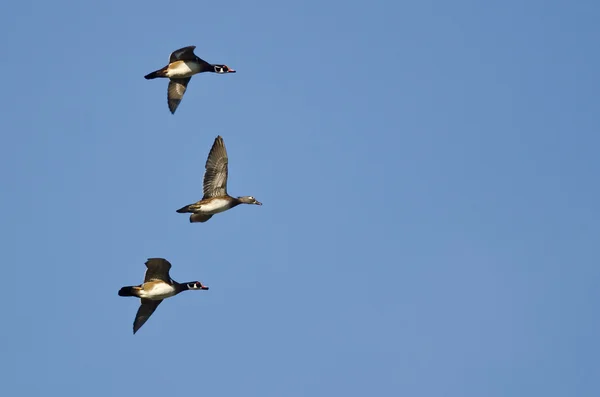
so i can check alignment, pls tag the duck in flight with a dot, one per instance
(183, 64)
(215, 198)
(157, 286)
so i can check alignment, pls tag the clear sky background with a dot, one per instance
(429, 173)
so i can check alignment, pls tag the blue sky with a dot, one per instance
(429, 173)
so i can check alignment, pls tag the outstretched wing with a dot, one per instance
(183, 54)
(144, 312)
(215, 176)
(175, 92)
(158, 269)
(199, 218)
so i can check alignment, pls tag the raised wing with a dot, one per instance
(158, 269)
(144, 312)
(215, 176)
(175, 92)
(183, 54)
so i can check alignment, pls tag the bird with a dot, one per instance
(183, 64)
(157, 286)
(215, 199)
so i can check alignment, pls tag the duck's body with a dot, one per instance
(158, 285)
(216, 199)
(183, 64)
(177, 70)
(211, 205)
(153, 290)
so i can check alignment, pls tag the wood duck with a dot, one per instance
(183, 64)
(215, 198)
(157, 286)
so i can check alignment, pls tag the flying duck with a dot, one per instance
(183, 64)
(215, 198)
(157, 286)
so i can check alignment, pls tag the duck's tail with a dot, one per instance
(157, 73)
(127, 291)
(187, 208)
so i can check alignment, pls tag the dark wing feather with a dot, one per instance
(175, 92)
(158, 269)
(215, 176)
(199, 218)
(183, 54)
(144, 312)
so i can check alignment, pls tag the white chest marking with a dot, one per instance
(215, 206)
(158, 291)
(181, 69)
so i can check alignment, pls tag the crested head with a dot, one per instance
(249, 200)
(223, 69)
(196, 285)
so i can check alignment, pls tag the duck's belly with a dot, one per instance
(181, 69)
(215, 206)
(157, 291)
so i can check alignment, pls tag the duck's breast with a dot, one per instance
(157, 290)
(215, 206)
(181, 69)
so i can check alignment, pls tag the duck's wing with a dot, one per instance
(175, 92)
(199, 218)
(215, 176)
(183, 54)
(158, 270)
(144, 312)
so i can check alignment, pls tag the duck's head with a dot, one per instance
(249, 200)
(223, 69)
(196, 285)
